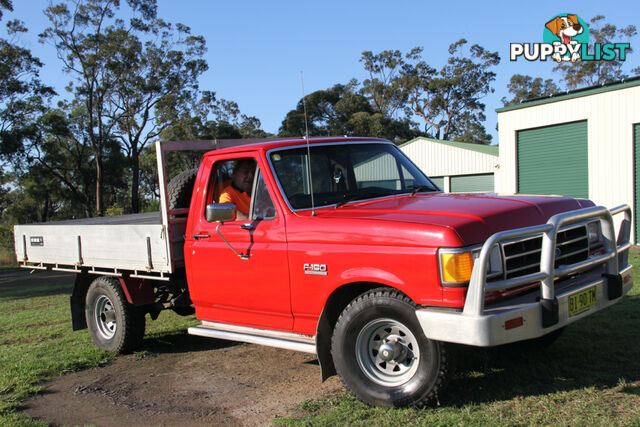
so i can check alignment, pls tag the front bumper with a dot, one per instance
(537, 313)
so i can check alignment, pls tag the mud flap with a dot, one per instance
(77, 301)
(614, 285)
(549, 312)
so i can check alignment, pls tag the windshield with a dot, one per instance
(346, 172)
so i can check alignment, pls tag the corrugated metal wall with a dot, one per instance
(636, 152)
(611, 118)
(440, 159)
(381, 167)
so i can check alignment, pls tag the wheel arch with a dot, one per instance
(336, 302)
(138, 292)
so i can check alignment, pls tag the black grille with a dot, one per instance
(523, 256)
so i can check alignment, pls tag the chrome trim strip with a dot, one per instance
(516, 281)
(285, 340)
(521, 268)
(39, 266)
(570, 254)
(577, 239)
(535, 251)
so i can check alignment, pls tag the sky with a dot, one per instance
(257, 49)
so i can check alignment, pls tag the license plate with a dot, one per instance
(582, 301)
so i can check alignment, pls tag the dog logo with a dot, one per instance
(566, 38)
(565, 27)
(567, 30)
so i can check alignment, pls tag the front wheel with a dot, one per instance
(382, 355)
(113, 323)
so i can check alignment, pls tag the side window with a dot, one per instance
(232, 181)
(262, 207)
(240, 182)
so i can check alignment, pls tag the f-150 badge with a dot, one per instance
(316, 269)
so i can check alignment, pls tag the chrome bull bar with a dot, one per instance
(616, 255)
(535, 317)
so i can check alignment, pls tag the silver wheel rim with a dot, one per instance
(105, 316)
(387, 352)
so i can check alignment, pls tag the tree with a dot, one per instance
(22, 95)
(524, 87)
(591, 73)
(60, 162)
(387, 86)
(339, 110)
(328, 112)
(155, 80)
(86, 39)
(449, 101)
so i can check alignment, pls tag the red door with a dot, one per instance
(227, 288)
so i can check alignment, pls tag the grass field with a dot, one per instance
(36, 342)
(591, 375)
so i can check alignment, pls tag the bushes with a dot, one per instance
(7, 253)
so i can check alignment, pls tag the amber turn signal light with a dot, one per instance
(456, 267)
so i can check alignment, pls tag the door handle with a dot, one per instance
(201, 236)
(247, 226)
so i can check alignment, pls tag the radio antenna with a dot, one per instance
(306, 126)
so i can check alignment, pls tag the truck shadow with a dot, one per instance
(601, 351)
(181, 342)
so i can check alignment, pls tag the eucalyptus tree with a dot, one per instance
(129, 77)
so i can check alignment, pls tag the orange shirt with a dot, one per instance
(241, 200)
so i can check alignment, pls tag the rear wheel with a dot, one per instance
(382, 354)
(113, 323)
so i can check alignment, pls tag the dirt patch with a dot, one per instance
(215, 382)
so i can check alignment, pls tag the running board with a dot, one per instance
(286, 340)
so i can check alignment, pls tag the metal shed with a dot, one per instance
(584, 143)
(456, 167)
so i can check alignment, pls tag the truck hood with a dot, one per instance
(474, 217)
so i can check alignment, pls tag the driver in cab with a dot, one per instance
(239, 191)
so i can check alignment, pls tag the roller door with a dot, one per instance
(438, 180)
(472, 183)
(554, 160)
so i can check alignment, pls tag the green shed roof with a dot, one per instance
(480, 148)
(593, 90)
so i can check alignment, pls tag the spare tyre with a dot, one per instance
(180, 188)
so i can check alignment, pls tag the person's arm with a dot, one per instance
(226, 197)
(241, 216)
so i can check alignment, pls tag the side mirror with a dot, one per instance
(220, 212)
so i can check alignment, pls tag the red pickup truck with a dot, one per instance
(349, 252)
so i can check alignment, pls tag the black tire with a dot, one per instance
(113, 323)
(180, 188)
(416, 367)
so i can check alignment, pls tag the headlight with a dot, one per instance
(595, 234)
(456, 264)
